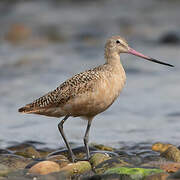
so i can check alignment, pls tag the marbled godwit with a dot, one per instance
(88, 93)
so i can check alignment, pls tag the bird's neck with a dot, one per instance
(114, 66)
(113, 59)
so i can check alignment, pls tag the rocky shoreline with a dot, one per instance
(45, 42)
(25, 161)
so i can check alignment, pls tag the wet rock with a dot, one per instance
(35, 161)
(57, 158)
(172, 153)
(60, 159)
(109, 177)
(130, 158)
(3, 178)
(18, 175)
(174, 176)
(44, 167)
(80, 152)
(45, 152)
(83, 175)
(76, 168)
(29, 152)
(160, 147)
(34, 143)
(152, 164)
(146, 154)
(167, 166)
(14, 162)
(134, 173)
(170, 167)
(5, 151)
(4, 170)
(167, 151)
(18, 33)
(159, 176)
(109, 153)
(102, 147)
(20, 146)
(170, 38)
(110, 163)
(98, 158)
(52, 176)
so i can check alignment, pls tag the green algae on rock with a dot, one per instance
(103, 164)
(134, 173)
(108, 177)
(110, 163)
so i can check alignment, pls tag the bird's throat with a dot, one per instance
(113, 59)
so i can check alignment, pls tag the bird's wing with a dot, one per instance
(74, 86)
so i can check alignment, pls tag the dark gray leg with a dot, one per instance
(60, 127)
(86, 139)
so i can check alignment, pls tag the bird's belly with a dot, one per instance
(96, 101)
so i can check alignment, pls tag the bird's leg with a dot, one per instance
(86, 139)
(60, 127)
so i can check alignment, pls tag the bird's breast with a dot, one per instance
(104, 93)
(113, 85)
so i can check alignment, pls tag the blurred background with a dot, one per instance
(42, 43)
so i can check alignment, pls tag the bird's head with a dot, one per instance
(116, 45)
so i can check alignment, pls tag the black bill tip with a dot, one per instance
(159, 62)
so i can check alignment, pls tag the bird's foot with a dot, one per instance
(73, 159)
(83, 159)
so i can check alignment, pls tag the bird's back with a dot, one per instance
(79, 84)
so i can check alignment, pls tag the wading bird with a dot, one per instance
(88, 93)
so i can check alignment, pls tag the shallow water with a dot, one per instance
(147, 109)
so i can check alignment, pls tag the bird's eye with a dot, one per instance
(118, 42)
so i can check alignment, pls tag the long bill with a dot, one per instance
(132, 51)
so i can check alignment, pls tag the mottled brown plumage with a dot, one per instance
(74, 86)
(88, 93)
(67, 92)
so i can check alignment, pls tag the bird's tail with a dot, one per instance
(26, 109)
